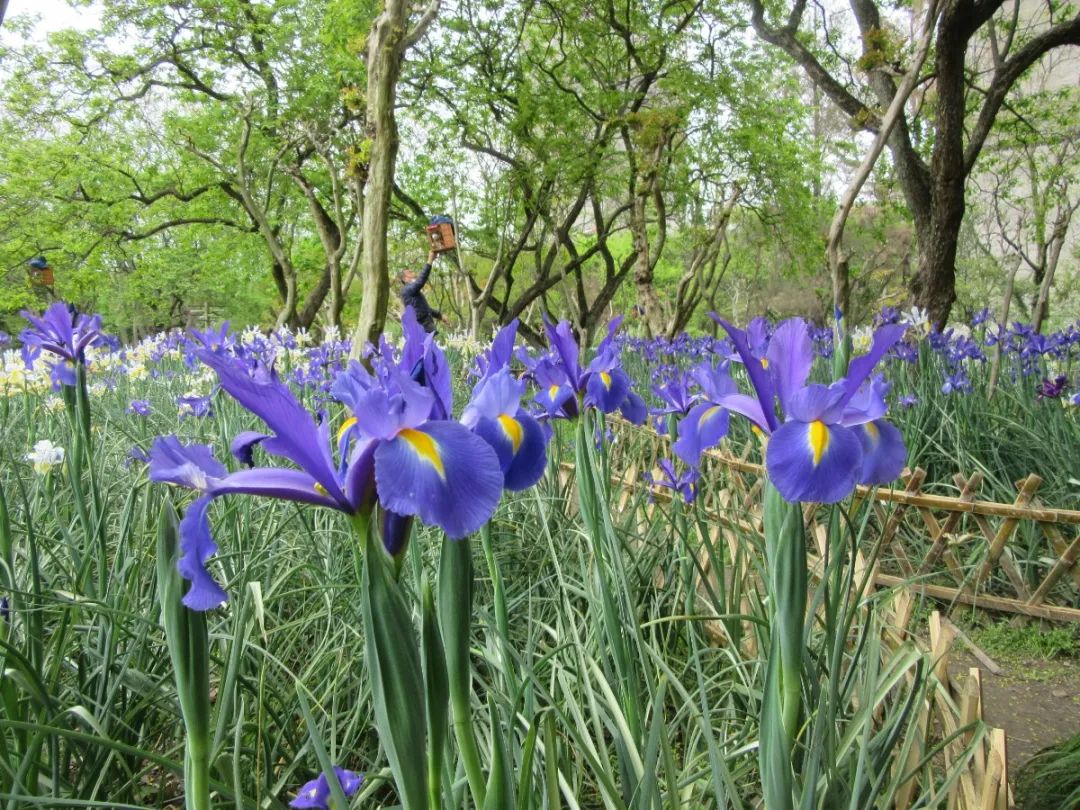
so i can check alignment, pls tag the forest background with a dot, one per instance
(181, 163)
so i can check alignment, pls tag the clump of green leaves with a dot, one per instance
(1004, 640)
(1051, 778)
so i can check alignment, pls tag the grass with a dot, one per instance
(1015, 643)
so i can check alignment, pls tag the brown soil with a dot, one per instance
(1037, 702)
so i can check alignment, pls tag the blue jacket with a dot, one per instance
(412, 297)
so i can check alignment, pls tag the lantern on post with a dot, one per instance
(41, 272)
(441, 234)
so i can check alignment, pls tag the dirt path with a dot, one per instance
(1037, 702)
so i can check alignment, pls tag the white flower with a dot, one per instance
(918, 319)
(862, 337)
(45, 456)
(54, 404)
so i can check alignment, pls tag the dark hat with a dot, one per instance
(39, 263)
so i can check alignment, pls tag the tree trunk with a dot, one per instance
(384, 58)
(934, 285)
(314, 301)
(387, 43)
(1042, 304)
(839, 268)
(1006, 305)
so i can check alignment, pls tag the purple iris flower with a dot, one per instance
(1051, 389)
(602, 384)
(64, 334)
(832, 437)
(391, 449)
(675, 394)
(707, 422)
(956, 383)
(214, 340)
(757, 337)
(5, 338)
(908, 401)
(888, 315)
(195, 405)
(685, 484)
(316, 793)
(139, 407)
(495, 415)
(501, 352)
(425, 463)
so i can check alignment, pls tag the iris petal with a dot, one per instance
(759, 377)
(790, 356)
(702, 428)
(884, 454)
(747, 406)
(552, 397)
(524, 464)
(633, 409)
(196, 547)
(884, 339)
(607, 389)
(276, 482)
(296, 436)
(192, 466)
(814, 462)
(243, 446)
(461, 499)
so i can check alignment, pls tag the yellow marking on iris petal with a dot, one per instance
(425, 447)
(819, 439)
(757, 431)
(512, 428)
(764, 362)
(321, 489)
(710, 413)
(552, 391)
(605, 378)
(348, 423)
(872, 431)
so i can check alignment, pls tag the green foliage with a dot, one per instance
(1020, 642)
(1051, 778)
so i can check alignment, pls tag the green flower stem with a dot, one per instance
(436, 694)
(189, 647)
(455, 616)
(393, 663)
(785, 550)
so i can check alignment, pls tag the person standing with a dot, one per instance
(412, 295)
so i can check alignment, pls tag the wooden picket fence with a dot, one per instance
(965, 543)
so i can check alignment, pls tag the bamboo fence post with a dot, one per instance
(968, 488)
(888, 534)
(1065, 562)
(1008, 526)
